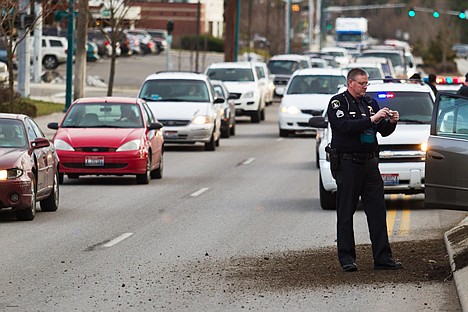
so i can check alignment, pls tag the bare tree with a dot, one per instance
(81, 45)
(14, 17)
(113, 28)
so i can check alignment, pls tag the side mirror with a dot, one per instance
(40, 142)
(219, 100)
(53, 125)
(318, 122)
(155, 126)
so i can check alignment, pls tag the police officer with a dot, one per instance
(355, 120)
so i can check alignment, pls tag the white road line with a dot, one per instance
(117, 240)
(200, 191)
(248, 161)
(279, 139)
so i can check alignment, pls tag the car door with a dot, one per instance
(155, 137)
(446, 184)
(43, 158)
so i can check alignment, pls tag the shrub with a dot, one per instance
(21, 106)
(206, 43)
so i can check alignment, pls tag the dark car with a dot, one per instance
(228, 109)
(447, 153)
(28, 167)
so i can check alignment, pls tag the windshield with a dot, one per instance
(103, 115)
(12, 133)
(231, 74)
(374, 73)
(322, 84)
(175, 90)
(282, 67)
(394, 57)
(413, 107)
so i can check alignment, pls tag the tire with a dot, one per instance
(317, 160)
(29, 213)
(211, 146)
(262, 114)
(61, 175)
(145, 177)
(283, 133)
(327, 199)
(50, 62)
(255, 118)
(158, 172)
(51, 203)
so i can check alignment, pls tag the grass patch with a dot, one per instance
(45, 108)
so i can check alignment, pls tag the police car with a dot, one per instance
(402, 154)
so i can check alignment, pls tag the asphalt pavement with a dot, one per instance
(456, 239)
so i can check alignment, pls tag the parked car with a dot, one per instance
(283, 66)
(4, 57)
(109, 136)
(307, 94)
(54, 51)
(401, 154)
(28, 167)
(244, 87)
(185, 104)
(160, 37)
(3, 72)
(103, 43)
(92, 50)
(147, 45)
(446, 156)
(228, 109)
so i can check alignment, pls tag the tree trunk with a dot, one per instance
(81, 47)
(110, 86)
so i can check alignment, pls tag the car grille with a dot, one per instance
(312, 112)
(401, 153)
(106, 166)
(174, 123)
(235, 96)
(95, 149)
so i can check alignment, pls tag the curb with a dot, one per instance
(456, 243)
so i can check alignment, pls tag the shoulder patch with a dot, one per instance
(339, 113)
(335, 104)
(371, 110)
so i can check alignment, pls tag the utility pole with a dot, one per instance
(236, 41)
(287, 24)
(198, 36)
(81, 45)
(230, 30)
(311, 24)
(69, 86)
(24, 56)
(37, 60)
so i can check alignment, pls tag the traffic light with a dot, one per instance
(436, 14)
(411, 12)
(295, 7)
(462, 15)
(170, 27)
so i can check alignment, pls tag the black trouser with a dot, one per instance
(361, 180)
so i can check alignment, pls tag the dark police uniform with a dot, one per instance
(463, 90)
(358, 175)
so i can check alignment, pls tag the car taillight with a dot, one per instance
(150, 45)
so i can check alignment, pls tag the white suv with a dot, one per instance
(54, 51)
(244, 86)
(184, 103)
(401, 154)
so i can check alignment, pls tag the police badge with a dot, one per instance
(335, 104)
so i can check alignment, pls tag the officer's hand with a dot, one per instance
(394, 116)
(381, 114)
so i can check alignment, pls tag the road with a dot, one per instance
(237, 229)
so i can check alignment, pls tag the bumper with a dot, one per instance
(22, 188)
(247, 105)
(188, 134)
(410, 177)
(296, 123)
(114, 163)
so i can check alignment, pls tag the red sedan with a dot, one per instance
(28, 167)
(109, 136)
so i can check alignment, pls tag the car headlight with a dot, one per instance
(10, 174)
(249, 94)
(62, 145)
(423, 147)
(133, 145)
(291, 110)
(202, 120)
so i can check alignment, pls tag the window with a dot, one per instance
(56, 43)
(452, 117)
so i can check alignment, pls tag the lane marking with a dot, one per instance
(405, 222)
(279, 139)
(391, 216)
(248, 161)
(200, 191)
(117, 240)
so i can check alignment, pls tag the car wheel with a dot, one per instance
(255, 118)
(262, 114)
(327, 199)
(283, 133)
(317, 160)
(211, 146)
(29, 213)
(51, 203)
(50, 62)
(145, 178)
(60, 178)
(232, 130)
(158, 172)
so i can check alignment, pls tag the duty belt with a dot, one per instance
(358, 155)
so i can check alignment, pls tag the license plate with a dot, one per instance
(170, 134)
(94, 161)
(391, 179)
